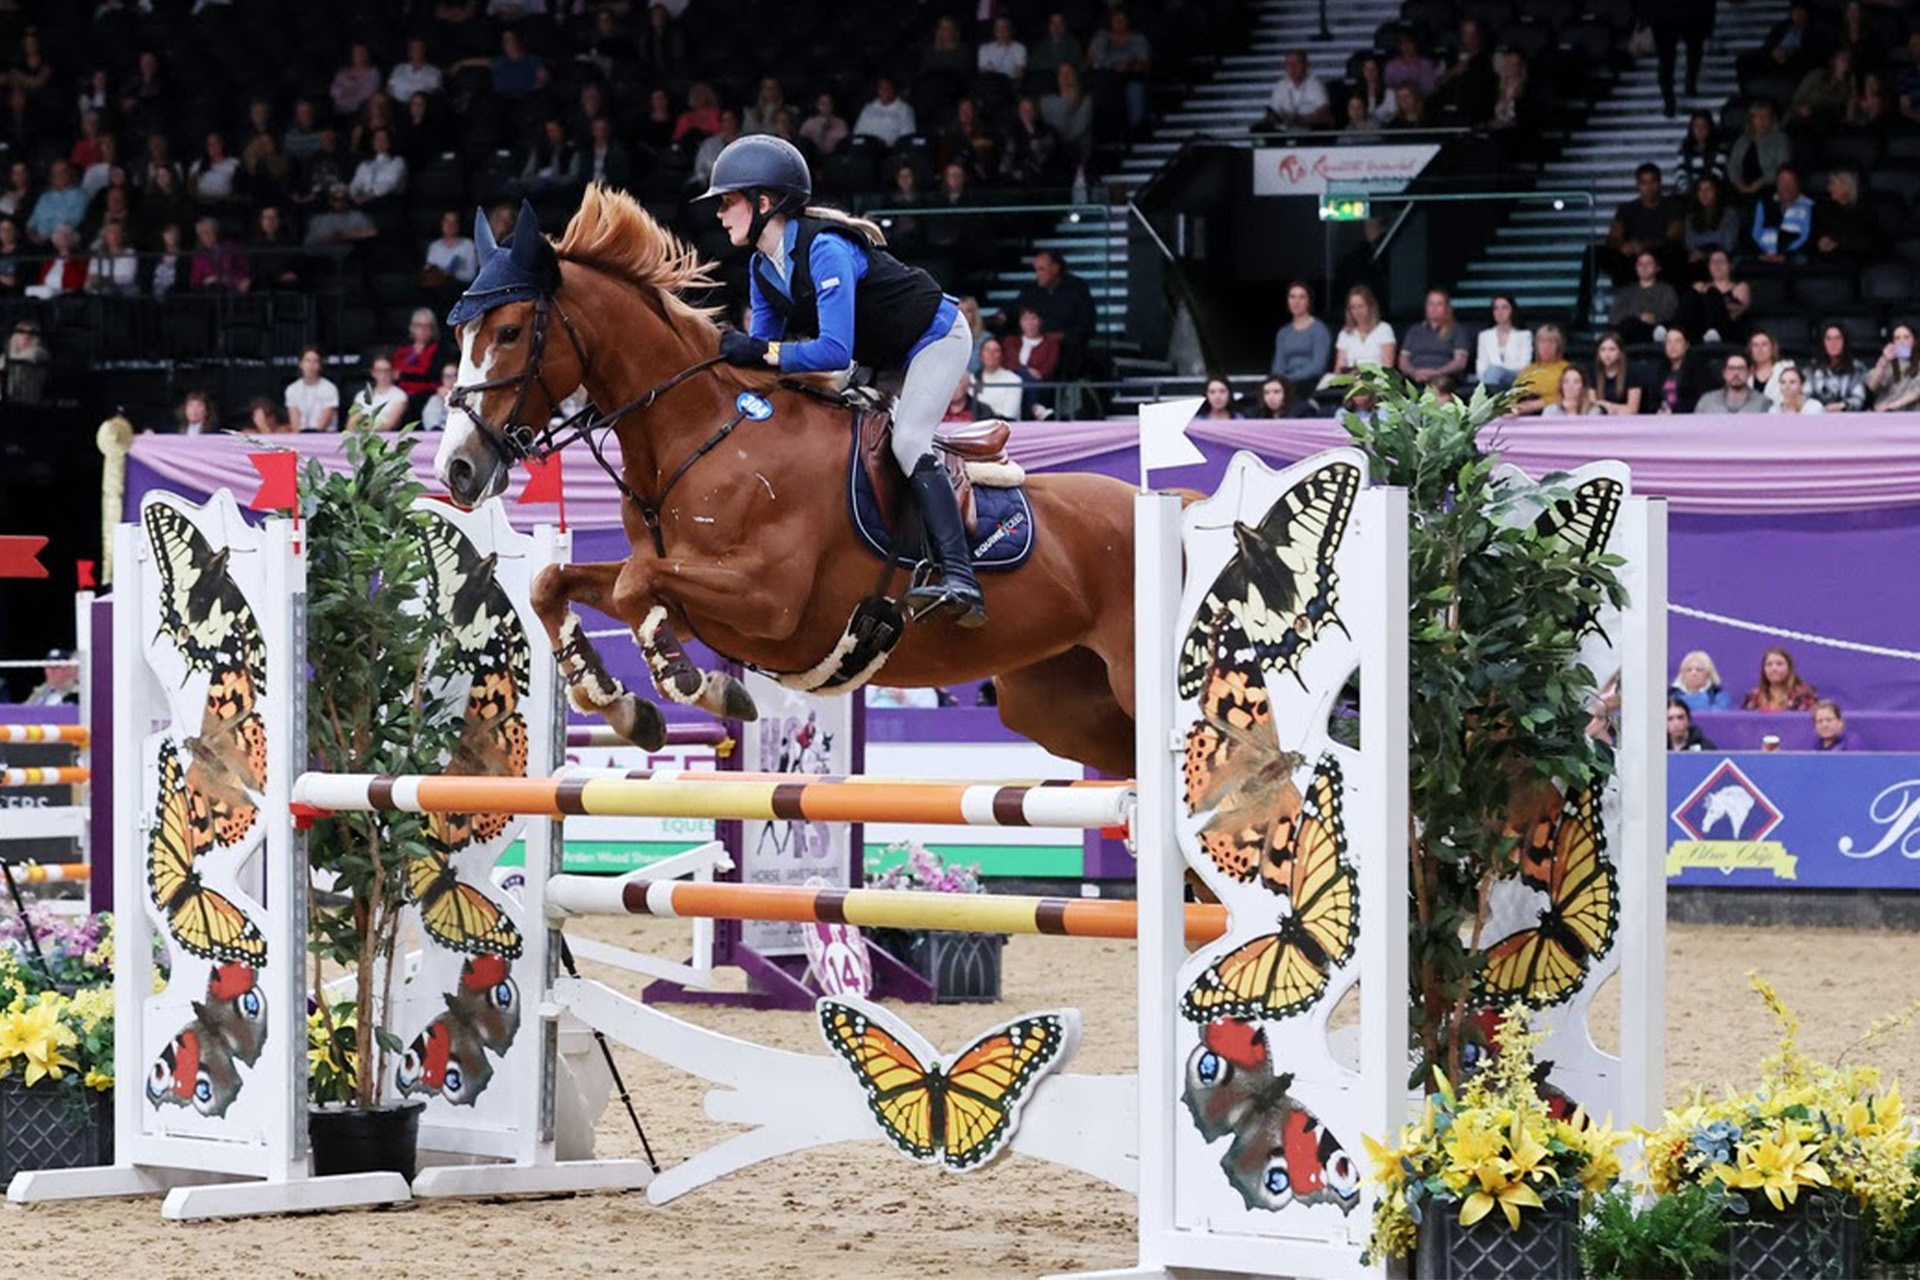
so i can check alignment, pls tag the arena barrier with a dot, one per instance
(1147, 1134)
(41, 817)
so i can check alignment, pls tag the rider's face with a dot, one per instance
(736, 216)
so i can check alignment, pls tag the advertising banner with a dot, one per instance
(1309, 171)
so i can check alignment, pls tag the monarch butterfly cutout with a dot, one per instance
(1279, 590)
(959, 1114)
(456, 914)
(1234, 767)
(200, 1067)
(1565, 857)
(1584, 522)
(463, 592)
(1281, 1154)
(229, 754)
(202, 609)
(200, 920)
(450, 1056)
(1278, 974)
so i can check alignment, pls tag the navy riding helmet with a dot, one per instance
(761, 162)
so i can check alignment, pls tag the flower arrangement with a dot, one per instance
(1808, 1128)
(58, 951)
(332, 1060)
(921, 869)
(56, 1001)
(1493, 1144)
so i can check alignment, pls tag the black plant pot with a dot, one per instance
(347, 1139)
(48, 1127)
(1818, 1238)
(964, 968)
(1542, 1249)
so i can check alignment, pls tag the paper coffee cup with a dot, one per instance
(1771, 742)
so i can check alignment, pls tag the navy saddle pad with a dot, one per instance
(1005, 538)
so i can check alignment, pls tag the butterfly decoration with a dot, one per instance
(1584, 522)
(199, 919)
(202, 609)
(482, 626)
(959, 1113)
(450, 1056)
(200, 1067)
(1280, 1154)
(1278, 591)
(1278, 974)
(229, 754)
(455, 914)
(1234, 766)
(1564, 857)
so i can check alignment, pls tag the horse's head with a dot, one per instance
(512, 375)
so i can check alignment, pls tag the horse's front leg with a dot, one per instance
(591, 688)
(640, 596)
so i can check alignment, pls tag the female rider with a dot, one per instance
(827, 294)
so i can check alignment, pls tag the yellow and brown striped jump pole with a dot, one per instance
(74, 735)
(51, 873)
(780, 798)
(53, 776)
(569, 895)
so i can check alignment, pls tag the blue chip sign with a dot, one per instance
(751, 404)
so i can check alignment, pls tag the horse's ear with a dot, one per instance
(483, 240)
(531, 252)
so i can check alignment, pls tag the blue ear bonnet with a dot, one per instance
(522, 270)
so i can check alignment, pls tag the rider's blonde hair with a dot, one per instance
(871, 230)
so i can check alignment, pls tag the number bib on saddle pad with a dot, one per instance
(1004, 537)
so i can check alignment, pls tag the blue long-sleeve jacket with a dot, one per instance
(837, 266)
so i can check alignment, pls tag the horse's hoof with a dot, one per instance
(636, 720)
(734, 702)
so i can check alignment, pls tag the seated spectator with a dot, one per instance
(1504, 348)
(1830, 727)
(1064, 304)
(1783, 221)
(1737, 393)
(1824, 93)
(382, 175)
(606, 158)
(887, 117)
(553, 163)
(451, 260)
(1303, 346)
(772, 99)
(65, 271)
(18, 199)
(1642, 310)
(380, 405)
(1469, 80)
(1274, 400)
(416, 366)
(700, 120)
(170, 264)
(1409, 109)
(1366, 338)
(1845, 230)
(1124, 58)
(273, 252)
(215, 178)
(1068, 111)
(1059, 49)
(354, 83)
(415, 75)
(711, 147)
(947, 54)
(1780, 687)
(1652, 222)
(1758, 153)
(962, 406)
(1033, 155)
(328, 167)
(1700, 155)
(217, 264)
(1409, 68)
(1510, 90)
(1680, 377)
(1711, 224)
(1220, 404)
(1370, 86)
(1298, 101)
(28, 364)
(1615, 389)
(263, 418)
(1036, 353)
(1697, 684)
(663, 45)
(115, 269)
(303, 135)
(341, 224)
(421, 134)
(1438, 345)
(1894, 379)
(1766, 362)
(517, 73)
(999, 388)
(1682, 733)
(1873, 114)
(105, 169)
(1790, 393)
(62, 203)
(1717, 310)
(267, 175)
(10, 270)
(966, 143)
(1792, 45)
(313, 402)
(1003, 55)
(1835, 379)
(1357, 121)
(824, 128)
(195, 416)
(1539, 382)
(1575, 398)
(433, 413)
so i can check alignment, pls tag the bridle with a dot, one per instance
(517, 441)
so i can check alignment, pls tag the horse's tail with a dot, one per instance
(861, 226)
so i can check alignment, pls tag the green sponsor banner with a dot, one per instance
(615, 857)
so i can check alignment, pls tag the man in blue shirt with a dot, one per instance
(1784, 220)
(62, 201)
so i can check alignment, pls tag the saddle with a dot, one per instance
(974, 453)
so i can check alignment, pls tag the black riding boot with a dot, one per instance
(957, 593)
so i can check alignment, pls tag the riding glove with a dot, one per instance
(743, 349)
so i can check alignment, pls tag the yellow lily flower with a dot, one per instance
(1511, 1199)
(1778, 1166)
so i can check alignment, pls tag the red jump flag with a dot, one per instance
(546, 483)
(20, 557)
(279, 480)
(85, 576)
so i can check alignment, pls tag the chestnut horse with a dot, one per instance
(742, 538)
